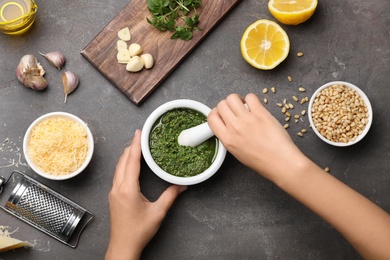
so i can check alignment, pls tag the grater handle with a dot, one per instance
(2, 182)
(19, 190)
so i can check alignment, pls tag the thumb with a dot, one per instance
(169, 196)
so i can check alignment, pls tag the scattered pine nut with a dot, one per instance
(327, 169)
(295, 98)
(301, 89)
(284, 110)
(303, 130)
(265, 101)
(300, 54)
(273, 89)
(291, 106)
(296, 116)
(286, 126)
(300, 134)
(289, 78)
(287, 119)
(303, 112)
(288, 114)
(279, 104)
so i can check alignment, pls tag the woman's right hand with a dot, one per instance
(257, 139)
(254, 136)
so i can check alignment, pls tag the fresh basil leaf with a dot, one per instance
(166, 12)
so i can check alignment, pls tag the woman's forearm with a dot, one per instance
(360, 221)
(250, 132)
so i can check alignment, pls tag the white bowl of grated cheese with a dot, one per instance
(58, 146)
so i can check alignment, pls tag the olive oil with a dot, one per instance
(11, 10)
(16, 16)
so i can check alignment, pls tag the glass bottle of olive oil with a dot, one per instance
(16, 16)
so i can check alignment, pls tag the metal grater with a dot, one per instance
(43, 208)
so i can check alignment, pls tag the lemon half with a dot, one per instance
(264, 44)
(292, 12)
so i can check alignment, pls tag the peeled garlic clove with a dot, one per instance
(148, 60)
(120, 44)
(135, 64)
(55, 58)
(123, 56)
(124, 34)
(30, 73)
(135, 49)
(70, 82)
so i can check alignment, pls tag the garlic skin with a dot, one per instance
(70, 82)
(30, 73)
(55, 58)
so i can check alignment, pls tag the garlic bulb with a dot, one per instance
(70, 82)
(30, 73)
(55, 58)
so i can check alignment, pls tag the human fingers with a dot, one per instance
(215, 122)
(254, 103)
(226, 113)
(120, 167)
(236, 104)
(133, 164)
(165, 201)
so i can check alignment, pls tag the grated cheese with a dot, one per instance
(58, 145)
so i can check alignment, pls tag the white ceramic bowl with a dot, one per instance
(36, 169)
(180, 103)
(362, 95)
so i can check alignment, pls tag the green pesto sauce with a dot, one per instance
(179, 160)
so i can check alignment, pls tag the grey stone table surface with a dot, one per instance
(236, 214)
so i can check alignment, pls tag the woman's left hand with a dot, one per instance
(134, 219)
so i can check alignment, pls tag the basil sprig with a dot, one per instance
(165, 14)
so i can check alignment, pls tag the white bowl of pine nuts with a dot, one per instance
(340, 113)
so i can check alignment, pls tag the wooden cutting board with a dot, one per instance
(167, 53)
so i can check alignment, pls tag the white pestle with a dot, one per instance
(196, 135)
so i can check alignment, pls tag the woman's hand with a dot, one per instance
(257, 139)
(254, 136)
(134, 219)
